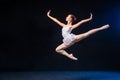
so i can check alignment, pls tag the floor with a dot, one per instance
(60, 75)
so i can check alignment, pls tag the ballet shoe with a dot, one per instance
(105, 26)
(72, 57)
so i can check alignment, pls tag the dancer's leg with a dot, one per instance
(84, 35)
(60, 49)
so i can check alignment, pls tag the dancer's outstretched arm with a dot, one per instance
(82, 21)
(54, 19)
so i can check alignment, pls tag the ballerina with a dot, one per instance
(69, 38)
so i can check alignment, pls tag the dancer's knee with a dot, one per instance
(90, 32)
(58, 50)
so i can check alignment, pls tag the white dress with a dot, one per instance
(68, 37)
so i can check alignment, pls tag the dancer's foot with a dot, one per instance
(105, 27)
(72, 57)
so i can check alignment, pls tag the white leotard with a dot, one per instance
(66, 31)
(68, 37)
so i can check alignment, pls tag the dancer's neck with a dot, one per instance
(69, 23)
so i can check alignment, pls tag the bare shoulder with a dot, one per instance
(72, 27)
(64, 25)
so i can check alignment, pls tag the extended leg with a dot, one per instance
(84, 35)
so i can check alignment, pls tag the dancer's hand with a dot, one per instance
(48, 13)
(91, 15)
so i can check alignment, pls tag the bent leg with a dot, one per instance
(60, 49)
(90, 32)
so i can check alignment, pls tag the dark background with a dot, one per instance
(28, 38)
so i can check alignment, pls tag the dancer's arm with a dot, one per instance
(54, 19)
(82, 21)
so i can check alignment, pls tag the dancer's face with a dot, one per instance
(69, 18)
